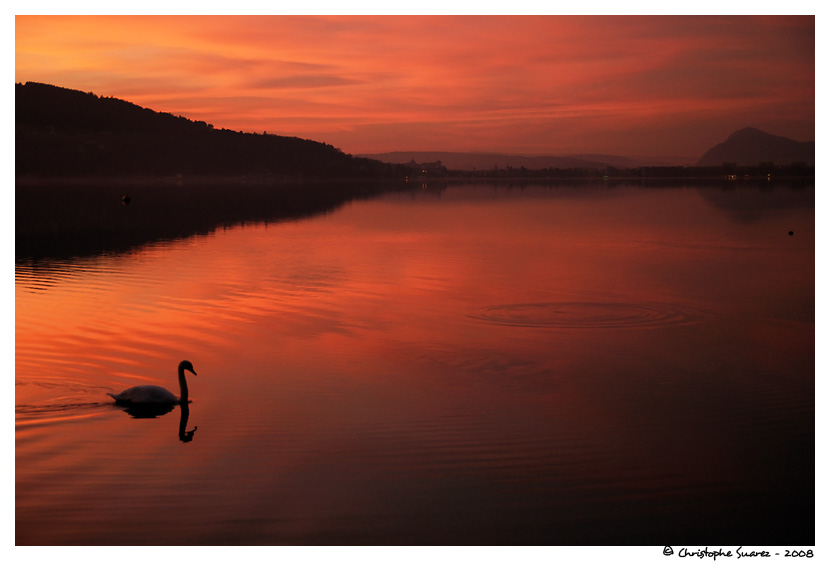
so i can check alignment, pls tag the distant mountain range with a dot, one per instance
(750, 147)
(746, 147)
(483, 161)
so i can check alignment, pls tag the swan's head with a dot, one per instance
(186, 365)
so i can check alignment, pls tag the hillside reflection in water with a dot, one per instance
(483, 365)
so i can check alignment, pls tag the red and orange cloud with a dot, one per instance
(626, 85)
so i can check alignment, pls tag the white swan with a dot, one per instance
(155, 395)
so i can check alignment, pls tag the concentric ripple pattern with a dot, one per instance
(592, 315)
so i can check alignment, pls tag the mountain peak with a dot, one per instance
(750, 146)
(748, 132)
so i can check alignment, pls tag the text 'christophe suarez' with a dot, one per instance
(738, 553)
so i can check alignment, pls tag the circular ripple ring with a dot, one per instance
(595, 315)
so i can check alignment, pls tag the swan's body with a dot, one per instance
(146, 394)
(155, 395)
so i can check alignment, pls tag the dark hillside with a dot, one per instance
(67, 133)
(750, 147)
(101, 174)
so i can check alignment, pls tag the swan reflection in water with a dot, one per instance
(147, 402)
(153, 411)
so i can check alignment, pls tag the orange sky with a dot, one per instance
(624, 85)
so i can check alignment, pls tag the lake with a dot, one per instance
(571, 364)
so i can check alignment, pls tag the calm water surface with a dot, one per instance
(477, 365)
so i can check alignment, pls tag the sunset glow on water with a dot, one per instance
(478, 364)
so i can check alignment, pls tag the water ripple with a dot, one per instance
(590, 315)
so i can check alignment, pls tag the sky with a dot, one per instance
(657, 86)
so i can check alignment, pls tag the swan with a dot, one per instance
(155, 395)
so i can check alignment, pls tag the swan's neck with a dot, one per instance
(182, 386)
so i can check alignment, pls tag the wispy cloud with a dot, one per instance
(303, 81)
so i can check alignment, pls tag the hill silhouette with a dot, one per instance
(61, 132)
(97, 174)
(751, 147)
